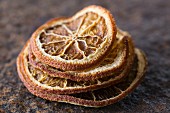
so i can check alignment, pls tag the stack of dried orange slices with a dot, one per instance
(84, 60)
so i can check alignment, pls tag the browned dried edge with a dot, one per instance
(111, 80)
(70, 66)
(78, 75)
(77, 100)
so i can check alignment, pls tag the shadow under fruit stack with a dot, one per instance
(83, 60)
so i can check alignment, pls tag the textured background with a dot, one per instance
(148, 21)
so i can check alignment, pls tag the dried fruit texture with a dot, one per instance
(50, 64)
(113, 62)
(75, 43)
(100, 97)
(65, 86)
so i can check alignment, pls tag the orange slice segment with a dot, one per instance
(75, 43)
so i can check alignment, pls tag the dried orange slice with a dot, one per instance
(65, 86)
(100, 97)
(77, 42)
(83, 60)
(111, 63)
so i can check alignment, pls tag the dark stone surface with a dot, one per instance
(148, 21)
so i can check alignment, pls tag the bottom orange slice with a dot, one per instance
(100, 97)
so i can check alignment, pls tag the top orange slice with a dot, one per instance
(75, 43)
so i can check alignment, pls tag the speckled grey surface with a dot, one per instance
(148, 21)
